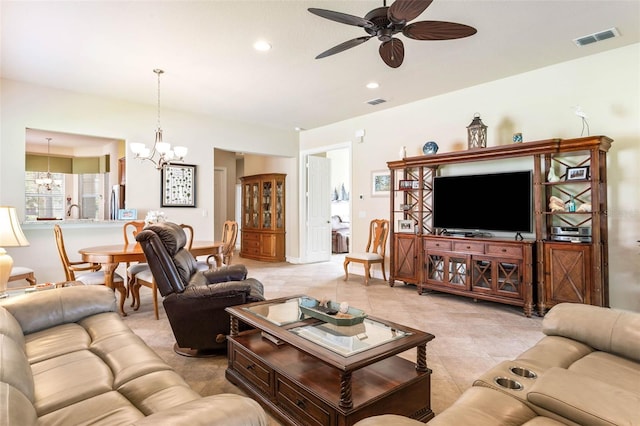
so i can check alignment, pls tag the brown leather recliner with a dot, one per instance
(194, 301)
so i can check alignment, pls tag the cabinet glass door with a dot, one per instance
(458, 271)
(481, 278)
(508, 280)
(246, 219)
(279, 208)
(266, 204)
(255, 205)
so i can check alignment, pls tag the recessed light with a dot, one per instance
(373, 85)
(262, 46)
(298, 129)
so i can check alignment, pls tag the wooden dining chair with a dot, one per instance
(85, 272)
(376, 248)
(144, 278)
(229, 237)
(202, 265)
(130, 230)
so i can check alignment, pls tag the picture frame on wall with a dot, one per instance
(406, 226)
(127, 214)
(577, 173)
(380, 183)
(178, 185)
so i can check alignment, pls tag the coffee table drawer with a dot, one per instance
(253, 370)
(308, 409)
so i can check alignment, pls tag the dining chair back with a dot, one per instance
(229, 237)
(375, 251)
(130, 229)
(89, 273)
(188, 230)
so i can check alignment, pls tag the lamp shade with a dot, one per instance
(11, 234)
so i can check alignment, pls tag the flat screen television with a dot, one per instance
(484, 202)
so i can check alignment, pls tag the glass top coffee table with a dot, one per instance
(306, 370)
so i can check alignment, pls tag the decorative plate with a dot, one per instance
(430, 148)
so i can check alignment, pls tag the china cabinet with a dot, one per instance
(263, 217)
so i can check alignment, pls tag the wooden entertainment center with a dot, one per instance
(535, 274)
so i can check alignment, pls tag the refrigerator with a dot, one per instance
(116, 201)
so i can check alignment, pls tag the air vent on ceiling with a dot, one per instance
(599, 36)
(376, 101)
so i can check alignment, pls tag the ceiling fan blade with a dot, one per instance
(343, 46)
(392, 52)
(407, 10)
(343, 18)
(437, 30)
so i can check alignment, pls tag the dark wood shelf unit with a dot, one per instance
(545, 271)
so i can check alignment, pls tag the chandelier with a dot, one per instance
(47, 182)
(166, 155)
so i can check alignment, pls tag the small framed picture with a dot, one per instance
(127, 214)
(405, 226)
(577, 173)
(380, 183)
(407, 184)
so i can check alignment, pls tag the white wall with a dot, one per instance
(28, 106)
(538, 104)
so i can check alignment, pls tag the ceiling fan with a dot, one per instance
(384, 22)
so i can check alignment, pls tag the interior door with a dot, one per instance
(318, 209)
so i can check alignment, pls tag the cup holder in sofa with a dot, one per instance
(507, 383)
(523, 372)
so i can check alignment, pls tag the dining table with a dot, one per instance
(110, 256)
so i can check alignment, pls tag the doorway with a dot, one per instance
(331, 189)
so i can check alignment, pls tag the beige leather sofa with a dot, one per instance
(67, 358)
(585, 371)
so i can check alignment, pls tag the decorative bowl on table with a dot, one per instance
(430, 148)
(331, 312)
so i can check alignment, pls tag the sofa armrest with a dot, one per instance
(222, 409)
(48, 308)
(584, 400)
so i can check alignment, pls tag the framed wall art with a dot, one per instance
(380, 183)
(178, 185)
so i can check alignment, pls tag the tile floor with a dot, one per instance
(471, 337)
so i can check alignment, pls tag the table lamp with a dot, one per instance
(10, 236)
